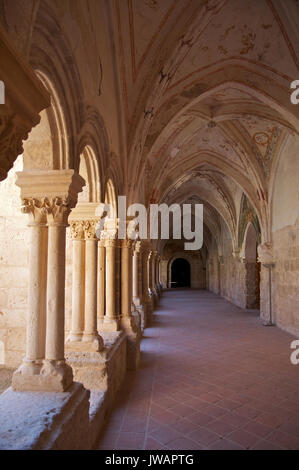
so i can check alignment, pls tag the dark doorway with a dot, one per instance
(180, 273)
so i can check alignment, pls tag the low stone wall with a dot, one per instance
(285, 276)
(72, 420)
(35, 420)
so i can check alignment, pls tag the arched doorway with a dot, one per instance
(180, 273)
(252, 280)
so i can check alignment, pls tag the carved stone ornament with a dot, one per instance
(77, 230)
(58, 210)
(25, 97)
(36, 210)
(90, 229)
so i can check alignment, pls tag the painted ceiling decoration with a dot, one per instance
(206, 94)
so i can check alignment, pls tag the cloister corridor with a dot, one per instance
(211, 377)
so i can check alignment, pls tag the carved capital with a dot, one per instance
(127, 243)
(58, 210)
(109, 231)
(110, 243)
(77, 230)
(137, 246)
(36, 210)
(90, 229)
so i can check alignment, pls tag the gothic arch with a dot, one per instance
(50, 60)
(89, 170)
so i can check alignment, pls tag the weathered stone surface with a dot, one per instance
(31, 420)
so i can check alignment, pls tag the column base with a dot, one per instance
(86, 344)
(155, 297)
(141, 310)
(112, 324)
(148, 311)
(133, 342)
(101, 370)
(95, 341)
(46, 376)
(137, 319)
(73, 337)
(128, 324)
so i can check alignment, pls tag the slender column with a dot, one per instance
(45, 336)
(90, 320)
(117, 278)
(111, 321)
(140, 274)
(138, 307)
(126, 278)
(36, 315)
(110, 280)
(136, 298)
(77, 235)
(267, 260)
(101, 282)
(152, 291)
(145, 285)
(156, 271)
(54, 364)
(150, 272)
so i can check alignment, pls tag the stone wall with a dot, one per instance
(14, 249)
(285, 276)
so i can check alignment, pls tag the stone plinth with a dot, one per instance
(103, 370)
(35, 420)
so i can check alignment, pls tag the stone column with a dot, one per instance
(47, 278)
(136, 276)
(150, 279)
(158, 279)
(145, 285)
(138, 306)
(154, 273)
(77, 235)
(59, 373)
(163, 273)
(126, 278)
(127, 320)
(36, 316)
(265, 257)
(91, 336)
(101, 282)
(127, 283)
(111, 320)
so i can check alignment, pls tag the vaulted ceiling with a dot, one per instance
(206, 95)
(194, 94)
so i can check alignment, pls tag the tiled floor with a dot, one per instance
(211, 377)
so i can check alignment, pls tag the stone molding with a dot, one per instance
(56, 191)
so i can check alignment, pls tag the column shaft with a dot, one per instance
(78, 290)
(126, 279)
(36, 317)
(90, 326)
(110, 281)
(135, 277)
(101, 282)
(55, 293)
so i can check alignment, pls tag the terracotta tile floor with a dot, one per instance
(211, 377)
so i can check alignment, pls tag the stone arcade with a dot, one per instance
(164, 102)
